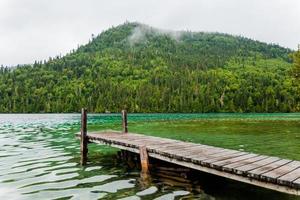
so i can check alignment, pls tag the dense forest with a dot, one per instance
(144, 69)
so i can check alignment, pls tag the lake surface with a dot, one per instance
(39, 155)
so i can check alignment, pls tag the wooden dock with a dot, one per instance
(264, 171)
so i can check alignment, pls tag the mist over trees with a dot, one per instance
(144, 69)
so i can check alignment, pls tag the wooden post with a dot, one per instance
(124, 121)
(144, 159)
(83, 138)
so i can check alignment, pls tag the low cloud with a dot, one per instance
(139, 34)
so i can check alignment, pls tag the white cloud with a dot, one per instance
(36, 29)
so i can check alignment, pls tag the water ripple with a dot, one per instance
(39, 158)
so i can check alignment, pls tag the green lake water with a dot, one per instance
(39, 155)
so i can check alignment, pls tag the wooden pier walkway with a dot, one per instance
(264, 171)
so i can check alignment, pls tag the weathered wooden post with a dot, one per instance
(83, 138)
(124, 121)
(144, 159)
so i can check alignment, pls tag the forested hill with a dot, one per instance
(144, 69)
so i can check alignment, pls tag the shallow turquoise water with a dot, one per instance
(39, 156)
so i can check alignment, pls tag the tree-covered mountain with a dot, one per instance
(144, 69)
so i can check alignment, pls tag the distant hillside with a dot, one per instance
(145, 69)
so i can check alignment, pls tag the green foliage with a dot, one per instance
(296, 65)
(142, 69)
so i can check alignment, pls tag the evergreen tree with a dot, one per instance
(296, 64)
(143, 69)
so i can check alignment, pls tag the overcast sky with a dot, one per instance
(36, 29)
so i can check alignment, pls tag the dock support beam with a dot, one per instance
(83, 138)
(144, 159)
(124, 121)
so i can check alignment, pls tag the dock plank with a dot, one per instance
(232, 166)
(207, 160)
(248, 167)
(267, 168)
(288, 178)
(238, 159)
(296, 183)
(196, 154)
(265, 171)
(280, 171)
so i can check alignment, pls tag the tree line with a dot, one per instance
(199, 72)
